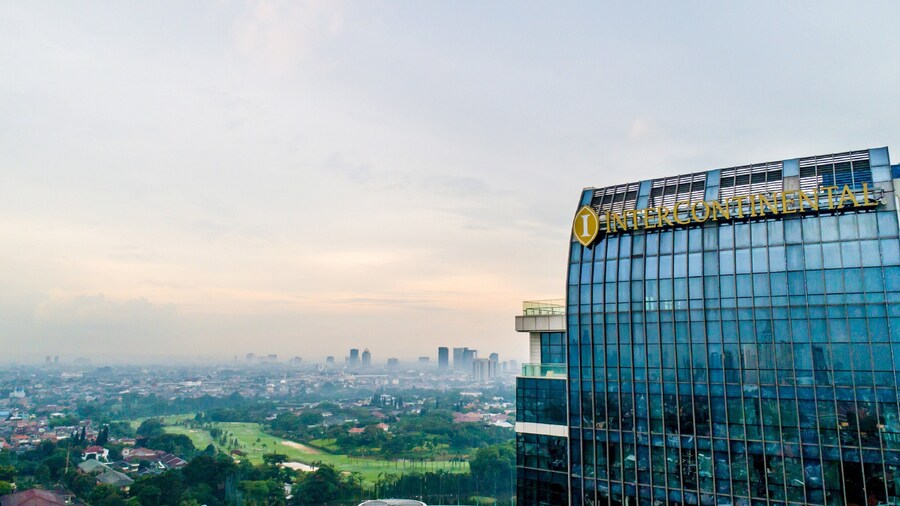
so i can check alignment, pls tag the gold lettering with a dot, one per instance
(677, 213)
(628, 220)
(636, 222)
(618, 220)
(608, 229)
(866, 201)
(740, 206)
(847, 194)
(717, 209)
(664, 216)
(765, 202)
(705, 214)
(752, 199)
(812, 202)
(787, 202)
(828, 190)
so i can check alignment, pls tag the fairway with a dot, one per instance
(255, 443)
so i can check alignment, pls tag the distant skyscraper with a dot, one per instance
(424, 360)
(481, 369)
(366, 358)
(329, 361)
(458, 358)
(353, 359)
(393, 363)
(468, 359)
(443, 358)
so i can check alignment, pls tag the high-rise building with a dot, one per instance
(353, 359)
(366, 358)
(458, 358)
(734, 338)
(494, 359)
(481, 369)
(393, 363)
(443, 358)
(468, 360)
(541, 425)
(329, 361)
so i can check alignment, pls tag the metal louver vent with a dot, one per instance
(840, 169)
(615, 198)
(667, 191)
(749, 179)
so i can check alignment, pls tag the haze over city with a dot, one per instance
(183, 179)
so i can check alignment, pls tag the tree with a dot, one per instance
(273, 459)
(42, 474)
(177, 444)
(492, 467)
(149, 495)
(102, 436)
(7, 473)
(149, 428)
(317, 487)
(106, 495)
(5, 488)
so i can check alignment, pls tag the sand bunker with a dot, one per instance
(299, 466)
(303, 448)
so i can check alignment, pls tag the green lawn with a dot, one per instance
(199, 437)
(167, 420)
(255, 442)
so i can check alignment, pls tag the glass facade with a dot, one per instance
(739, 362)
(541, 411)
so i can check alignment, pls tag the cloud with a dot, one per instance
(283, 33)
(98, 311)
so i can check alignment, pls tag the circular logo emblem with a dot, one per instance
(586, 225)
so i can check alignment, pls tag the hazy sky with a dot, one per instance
(217, 178)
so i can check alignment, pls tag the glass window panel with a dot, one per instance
(776, 232)
(829, 228)
(847, 225)
(665, 242)
(652, 244)
(726, 237)
(890, 251)
(870, 254)
(758, 233)
(887, 224)
(710, 238)
(792, 231)
(795, 258)
(695, 239)
(742, 235)
(813, 256)
(742, 261)
(726, 261)
(868, 227)
(680, 241)
(695, 264)
(680, 265)
(831, 252)
(612, 249)
(850, 254)
(760, 260)
(665, 266)
(776, 259)
(811, 230)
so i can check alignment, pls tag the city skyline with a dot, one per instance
(190, 180)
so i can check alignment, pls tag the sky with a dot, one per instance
(210, 179)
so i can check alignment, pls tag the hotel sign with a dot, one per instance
(588, 225)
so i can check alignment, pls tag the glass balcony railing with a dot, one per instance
(544, 307)
(544, 370)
